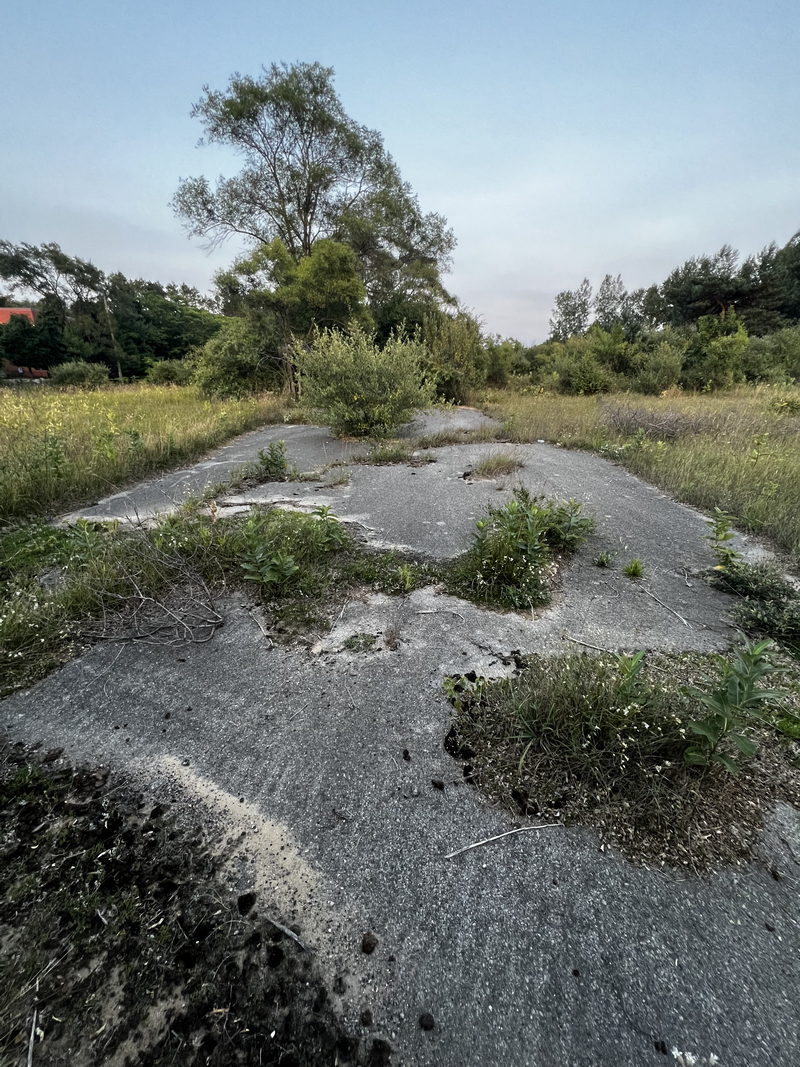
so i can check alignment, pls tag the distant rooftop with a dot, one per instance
(6, 313)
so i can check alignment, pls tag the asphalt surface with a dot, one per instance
(539, 949)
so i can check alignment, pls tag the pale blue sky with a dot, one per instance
(560, 139)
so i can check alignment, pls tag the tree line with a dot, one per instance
(336, 240)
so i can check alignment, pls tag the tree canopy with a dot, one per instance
(310, 173)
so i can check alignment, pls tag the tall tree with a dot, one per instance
(609, 302)
(310, 172)
(571, 312)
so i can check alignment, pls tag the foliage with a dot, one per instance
(361, 389)
(604, 740)
(731, 707)
(234, 363)
(310, 172)
(454, 356)
(169, 372)
(84, 315)
(78, 373)
(513, 557)
(570, 316)
(272, 464)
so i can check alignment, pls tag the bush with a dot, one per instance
(454, 357)
(358, 388)
(511, 562)
(80, 374)
(234, 363)
(578, 371)
(169, 372)
(658, 370)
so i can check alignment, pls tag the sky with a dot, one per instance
(560, 138)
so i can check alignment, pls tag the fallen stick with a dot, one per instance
(498, 837)
(597, 648)
(663, 605)
(440, 611)
(289, 933)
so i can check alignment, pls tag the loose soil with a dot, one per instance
(122, 943)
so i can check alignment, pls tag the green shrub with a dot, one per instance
(512, 560)
(80, 374)
(454, 357)
(358, 388)
(234, 363)
(658, 370)
(578, 371)
(169, 372)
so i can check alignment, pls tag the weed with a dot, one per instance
(604, 559)
(732, 706)
(634, 568)
(769, 603)
(360, 642)
(603, 740)
(513, 557)
(272, 465)
(496, 465)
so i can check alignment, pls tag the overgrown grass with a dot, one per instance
(739, 451)
(68, 447)
(61, 588)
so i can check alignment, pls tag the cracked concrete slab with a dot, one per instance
(432, 510)
(539, 949)
(307, 448)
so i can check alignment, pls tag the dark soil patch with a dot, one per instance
(121, 944)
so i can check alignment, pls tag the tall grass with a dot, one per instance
(738, 451)
(66, 447)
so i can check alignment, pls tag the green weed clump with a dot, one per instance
(769, 603)
(654, 764)
(512, 561)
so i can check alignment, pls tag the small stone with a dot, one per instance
(366, 1017)
(437, 783)
(426, 1021)
(406, 755)
(245, 902)
(369, 943)
(185, 762)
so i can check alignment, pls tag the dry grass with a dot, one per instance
(68, 447)
(735, 451)
(497, 465)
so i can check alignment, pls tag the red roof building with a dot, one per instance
(6, 313)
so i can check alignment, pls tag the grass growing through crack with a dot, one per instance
(514, 554)
(739, 450)
(63, 448)
(497, 465)
(612, 741)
